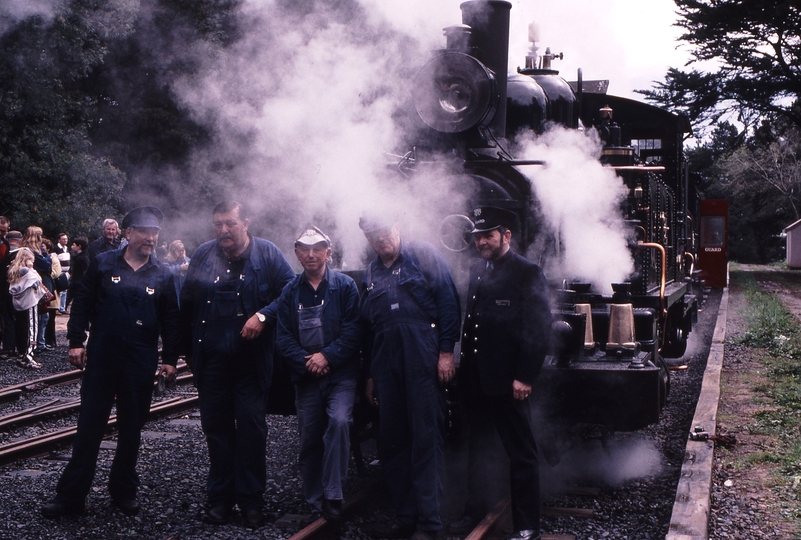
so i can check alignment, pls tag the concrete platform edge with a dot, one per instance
(690, 518)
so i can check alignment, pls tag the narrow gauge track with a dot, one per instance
(42, 444)
(26, 447)
(174, 460)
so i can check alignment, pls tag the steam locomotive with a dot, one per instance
(607, 365)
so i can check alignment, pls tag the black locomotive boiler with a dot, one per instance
(606, 368)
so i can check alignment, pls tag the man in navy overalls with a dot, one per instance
(319, 335)
(411, 309)
(228, 311)
(126, 299)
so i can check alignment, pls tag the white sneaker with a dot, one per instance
(33, 364)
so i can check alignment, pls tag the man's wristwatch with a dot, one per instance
(262, 317)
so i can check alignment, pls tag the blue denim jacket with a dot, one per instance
(341, 327)
(266, 273)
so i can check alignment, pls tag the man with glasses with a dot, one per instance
(228, 313)
(319, 335)
(129, 299)
(411, 310)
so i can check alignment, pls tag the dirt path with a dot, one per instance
(750, 499)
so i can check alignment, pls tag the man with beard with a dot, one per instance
(108, 241)
(129, 299)
(505, 340)
(228, 312)
(319, 335)
(411, 310)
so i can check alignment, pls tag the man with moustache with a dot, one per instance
(411, 310)
(108, 241)
(127, 299)
(319, 335)
(505, 340)
(228, 312)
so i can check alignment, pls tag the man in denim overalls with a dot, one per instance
(129, 298)
(319, 335)
(411, 309)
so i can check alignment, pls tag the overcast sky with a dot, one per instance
(629, 42)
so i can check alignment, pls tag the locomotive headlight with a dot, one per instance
(455, 92)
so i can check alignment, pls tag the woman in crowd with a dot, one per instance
(178, 262)
(25, 287)
(47, 313)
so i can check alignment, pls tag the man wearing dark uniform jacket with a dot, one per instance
(505, 340)
(228, 313)
(411, 310)
(109, 239)
(127, 299)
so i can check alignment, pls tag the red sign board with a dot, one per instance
(713, 252)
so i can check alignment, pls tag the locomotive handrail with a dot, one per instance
(649, 168)
(663, 280)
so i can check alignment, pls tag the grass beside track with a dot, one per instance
(773, 336)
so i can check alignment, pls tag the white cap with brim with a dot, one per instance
(312, 236)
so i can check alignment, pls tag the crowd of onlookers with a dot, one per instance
(39, 278)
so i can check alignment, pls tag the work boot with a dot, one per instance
(129, 507)
(219, 514)
(56, 508)
(392, 530)
(253, 518)
(463, 525)
(332, 509)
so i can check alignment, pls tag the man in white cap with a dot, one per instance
(129, 299)
(319, 335)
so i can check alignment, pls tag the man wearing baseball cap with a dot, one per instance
(319, 335)
(504, 342)
(128, 300)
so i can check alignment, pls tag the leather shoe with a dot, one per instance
(56, 509)
(392, 530)
(332, 509)
(253, 518)
(463, 525)
(421, 534)
(526, 534)
(129, 507)
(219, 514)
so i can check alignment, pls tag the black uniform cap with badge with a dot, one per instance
(143, 217)
(489, 218)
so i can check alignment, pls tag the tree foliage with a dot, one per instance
(755, 46)
(87, 114)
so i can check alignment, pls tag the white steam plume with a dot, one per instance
(580, 201)
(14, 11)
(303, 104)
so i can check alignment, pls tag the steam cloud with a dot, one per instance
(304, 105)
(14, 11)
(580, 202)
(621, 461)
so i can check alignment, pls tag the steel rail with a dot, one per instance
(321, 524)
(41, 444)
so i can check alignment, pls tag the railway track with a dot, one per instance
(636, 507)
(25, 447)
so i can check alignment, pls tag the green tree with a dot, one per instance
(756, 48)
(47, 168)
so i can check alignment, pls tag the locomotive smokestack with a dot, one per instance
(489, 21)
